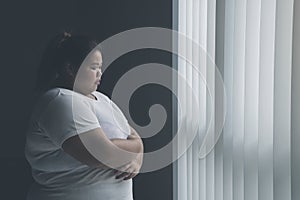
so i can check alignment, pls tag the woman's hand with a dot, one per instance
(131, 169)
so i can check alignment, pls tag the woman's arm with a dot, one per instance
(132, 169)
(94, 149)
(77, 147)
(133, 143)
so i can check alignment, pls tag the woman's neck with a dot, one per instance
(91, 96)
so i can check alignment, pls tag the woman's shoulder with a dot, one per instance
(59, 101)
(56, 94)
(58, 97)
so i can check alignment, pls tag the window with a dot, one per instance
(252, 44)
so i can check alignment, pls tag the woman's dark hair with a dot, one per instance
(61, 60)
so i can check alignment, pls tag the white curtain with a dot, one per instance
(255, 46)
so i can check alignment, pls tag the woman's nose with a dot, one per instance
(99, 73)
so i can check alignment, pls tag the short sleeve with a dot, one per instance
(66, 116)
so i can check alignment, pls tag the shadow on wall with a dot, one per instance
(15, 178)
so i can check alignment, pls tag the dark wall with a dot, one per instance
(26, 26)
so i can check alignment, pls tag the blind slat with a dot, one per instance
(295, 138)
(238, 99)
(282, 99)
(228, 81)
(251, 99)
(266, 100)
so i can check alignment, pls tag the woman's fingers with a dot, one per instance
(128, 174)
(123, 169)
(122, 175)
(128, 171)
(131, 175)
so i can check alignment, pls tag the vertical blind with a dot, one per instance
(256, 156)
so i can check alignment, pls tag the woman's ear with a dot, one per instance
(69, 71)
(66, 75)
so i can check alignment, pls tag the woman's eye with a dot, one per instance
(95, 67)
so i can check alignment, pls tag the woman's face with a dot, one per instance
(89, 74)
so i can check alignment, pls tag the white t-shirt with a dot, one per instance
(58, 115)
